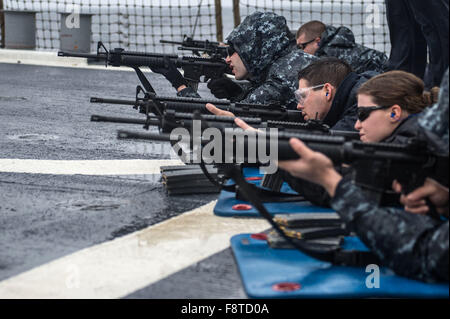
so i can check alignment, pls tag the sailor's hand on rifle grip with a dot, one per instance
(224, 88)
(416, 201)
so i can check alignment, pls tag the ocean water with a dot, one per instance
(140, 25)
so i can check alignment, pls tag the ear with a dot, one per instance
(317, 42)
(328, 91)
(395, 113)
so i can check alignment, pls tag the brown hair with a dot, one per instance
(401, 88)
(326, 70)
(312, 29)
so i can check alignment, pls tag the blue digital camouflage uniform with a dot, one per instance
(340, 43)
(434, 121)
(412, 245)
(268, 50)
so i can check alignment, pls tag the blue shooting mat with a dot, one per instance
(288, 273)
(227, 204)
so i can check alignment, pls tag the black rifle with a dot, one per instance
(330, 254)
(194, 67)
(211, 48)
(147, 102)
(376, 165)
(170, 119)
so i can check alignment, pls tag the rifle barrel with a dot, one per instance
(112, 101)
(171, 42)
(123, 120)
(81, 55)
(125, 135)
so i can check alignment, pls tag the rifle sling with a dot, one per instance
(269, 196)
(334, 256)
(228, 188)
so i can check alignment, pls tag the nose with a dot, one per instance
(228, 59)
(358, 125)
(299, 106)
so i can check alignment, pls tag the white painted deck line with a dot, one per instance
(117, 268)
(86, 167)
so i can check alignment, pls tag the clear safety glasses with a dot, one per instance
(302, 94)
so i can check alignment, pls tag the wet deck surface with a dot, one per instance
(44, 115)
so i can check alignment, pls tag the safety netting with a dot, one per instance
(140, 25)
(366, 18)
(130, 24)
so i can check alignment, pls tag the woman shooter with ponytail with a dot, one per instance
(412, 244)
(387, 105)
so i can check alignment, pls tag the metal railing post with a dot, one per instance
(2, 24)
(236, 13)
(219, 25)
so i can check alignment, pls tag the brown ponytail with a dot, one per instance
(401, 88)
(431, 97)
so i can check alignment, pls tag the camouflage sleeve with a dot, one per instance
(361, 58)
(246, 88)
(434, 120)
(188, 92)
(414, 246)
(281, 80)
(371, 60)
(271, 90)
